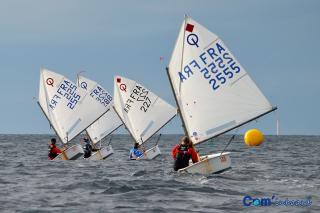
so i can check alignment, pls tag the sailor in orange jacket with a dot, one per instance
(183, 152)
(54, 151)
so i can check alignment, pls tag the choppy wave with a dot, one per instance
(286, 166)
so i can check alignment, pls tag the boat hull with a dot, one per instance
(101, 154)
(72, 153)
(150, 154)
(210, 164)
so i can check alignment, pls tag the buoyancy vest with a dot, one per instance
(87, 148)
(51, 153)
(182, 158)
(135, 152)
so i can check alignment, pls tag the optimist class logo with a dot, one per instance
(50, 81)
(192, 39)
(84, 85)
(123, 87)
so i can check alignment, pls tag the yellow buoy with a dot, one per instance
(253, 137)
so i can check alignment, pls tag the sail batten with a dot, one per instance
(219, 128)
(214, 93)
(239, 125)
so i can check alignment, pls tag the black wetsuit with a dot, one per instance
(182, 158)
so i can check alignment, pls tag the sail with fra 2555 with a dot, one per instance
(213, 91)
(216, 64)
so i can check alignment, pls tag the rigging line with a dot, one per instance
(142, 144)
(158, 139)
(143, 147)
(231, 139)
(78, 74)
(110, 140)
(277, 123)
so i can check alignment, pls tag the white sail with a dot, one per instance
(110, 121)
(143, 112)
(66, 105)
(213, 91)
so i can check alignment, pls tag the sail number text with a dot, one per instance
(216, 65)
(66, 90)
(138, 95)
(101, 96)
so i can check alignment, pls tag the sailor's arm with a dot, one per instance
(194, 156)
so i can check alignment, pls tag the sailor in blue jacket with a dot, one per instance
(134, 152)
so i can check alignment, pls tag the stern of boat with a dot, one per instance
(71, 153)
(151, 153)
(103, 153)
(210, 164)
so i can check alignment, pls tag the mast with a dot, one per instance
(124, 124)
(182, 54)
(78, 74)
(171, 84)
(50, 123)
(177, 102)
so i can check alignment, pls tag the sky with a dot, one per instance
(277, 42)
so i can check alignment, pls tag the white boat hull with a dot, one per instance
(210, 164)
(151, 153)
(72, 153)
(101, 154)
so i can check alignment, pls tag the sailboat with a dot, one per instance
(213, 92)
(142, 112)
(105, 125)
(65, 106)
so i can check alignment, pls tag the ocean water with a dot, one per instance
(287, 167)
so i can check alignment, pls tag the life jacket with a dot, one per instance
(182, 158)
(135, 152)
(87, 148)
(52, 154)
